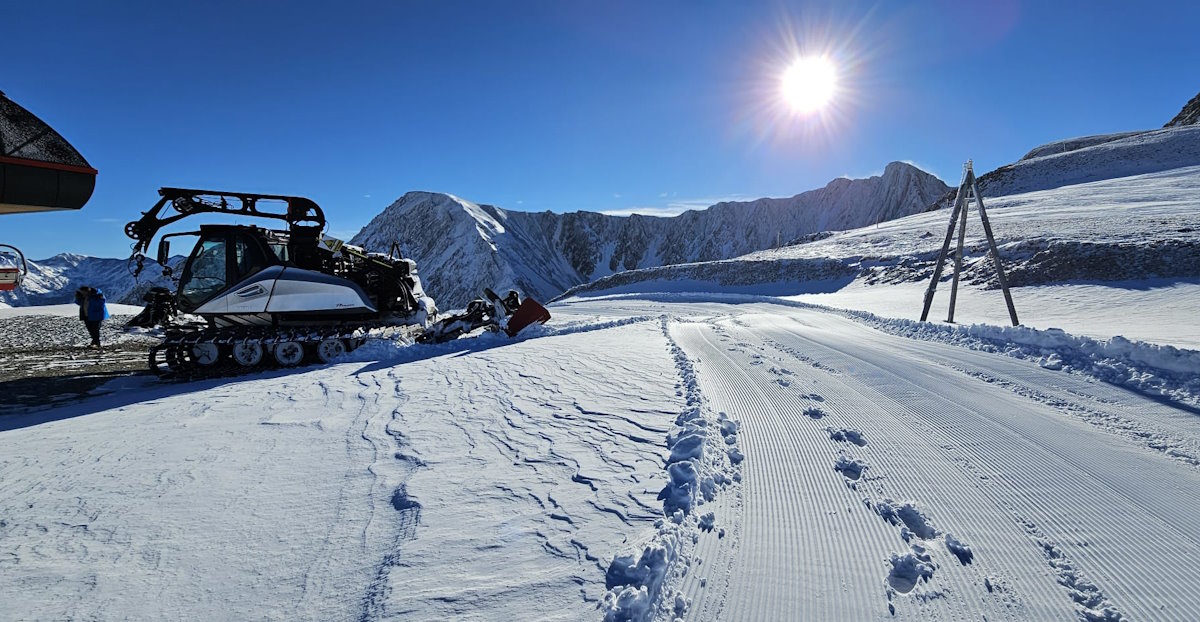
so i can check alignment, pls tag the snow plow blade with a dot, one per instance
(488, 311)
(529, 312)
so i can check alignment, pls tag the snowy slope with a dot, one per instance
(638, 459)
(1127, 249)
(1095, 158)
(54, 280)
(702, 456)
(462, 247)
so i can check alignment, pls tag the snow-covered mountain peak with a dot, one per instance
(65, 260)
(462, 247)
(488, 225)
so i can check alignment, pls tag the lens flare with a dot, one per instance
(805, 81)
(809, 84)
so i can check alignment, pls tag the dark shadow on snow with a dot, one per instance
(110, 390)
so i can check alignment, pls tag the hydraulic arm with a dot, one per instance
(299, 211)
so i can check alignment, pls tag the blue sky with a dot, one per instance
(564, 105)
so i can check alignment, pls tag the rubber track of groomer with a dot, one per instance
(173, 360)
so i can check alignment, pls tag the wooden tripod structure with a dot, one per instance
(966, 191)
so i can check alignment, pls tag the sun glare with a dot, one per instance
(809, 84)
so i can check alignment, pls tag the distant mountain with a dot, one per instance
(54, 280)
(461, 247)
(1090, 158)
(1190, 115)
(1094, 158)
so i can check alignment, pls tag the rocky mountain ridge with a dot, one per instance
(1189, 115)
(462, 247)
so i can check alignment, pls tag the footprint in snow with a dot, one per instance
(846, 435)
(909, 569)
(906, 516)
(850, 468)
(960, 550)
(813, 412)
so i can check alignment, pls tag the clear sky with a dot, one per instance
(563, 105)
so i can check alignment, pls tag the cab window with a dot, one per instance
(248, 257)
(205, 274)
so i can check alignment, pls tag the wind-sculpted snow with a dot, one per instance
(461, 247)
(701, 464)
(544, 477)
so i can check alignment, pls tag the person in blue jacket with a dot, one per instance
(92, 310)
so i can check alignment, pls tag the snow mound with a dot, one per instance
(1071, 144)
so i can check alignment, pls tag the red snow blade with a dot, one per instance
(529, 312)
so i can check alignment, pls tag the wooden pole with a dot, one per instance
(987, 229)
(958, 256)
(937, 271)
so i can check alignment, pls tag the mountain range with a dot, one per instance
(462, 247)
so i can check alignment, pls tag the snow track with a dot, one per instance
(983, 493)
(640, 460)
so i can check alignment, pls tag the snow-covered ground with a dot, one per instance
(810, 467)
(1102, 259)
(1149, 310)
(720, 441)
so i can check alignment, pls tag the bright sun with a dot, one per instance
(809, 84)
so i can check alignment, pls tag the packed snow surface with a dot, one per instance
(641, 458)
(1118, 257)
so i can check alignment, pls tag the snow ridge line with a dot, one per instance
(1150, 368)
(1170, 446)
(395, 462)
(703, 460)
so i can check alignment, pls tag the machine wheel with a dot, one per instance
(205, 354)
(248, 354)
(289, 353)
(330, 349)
